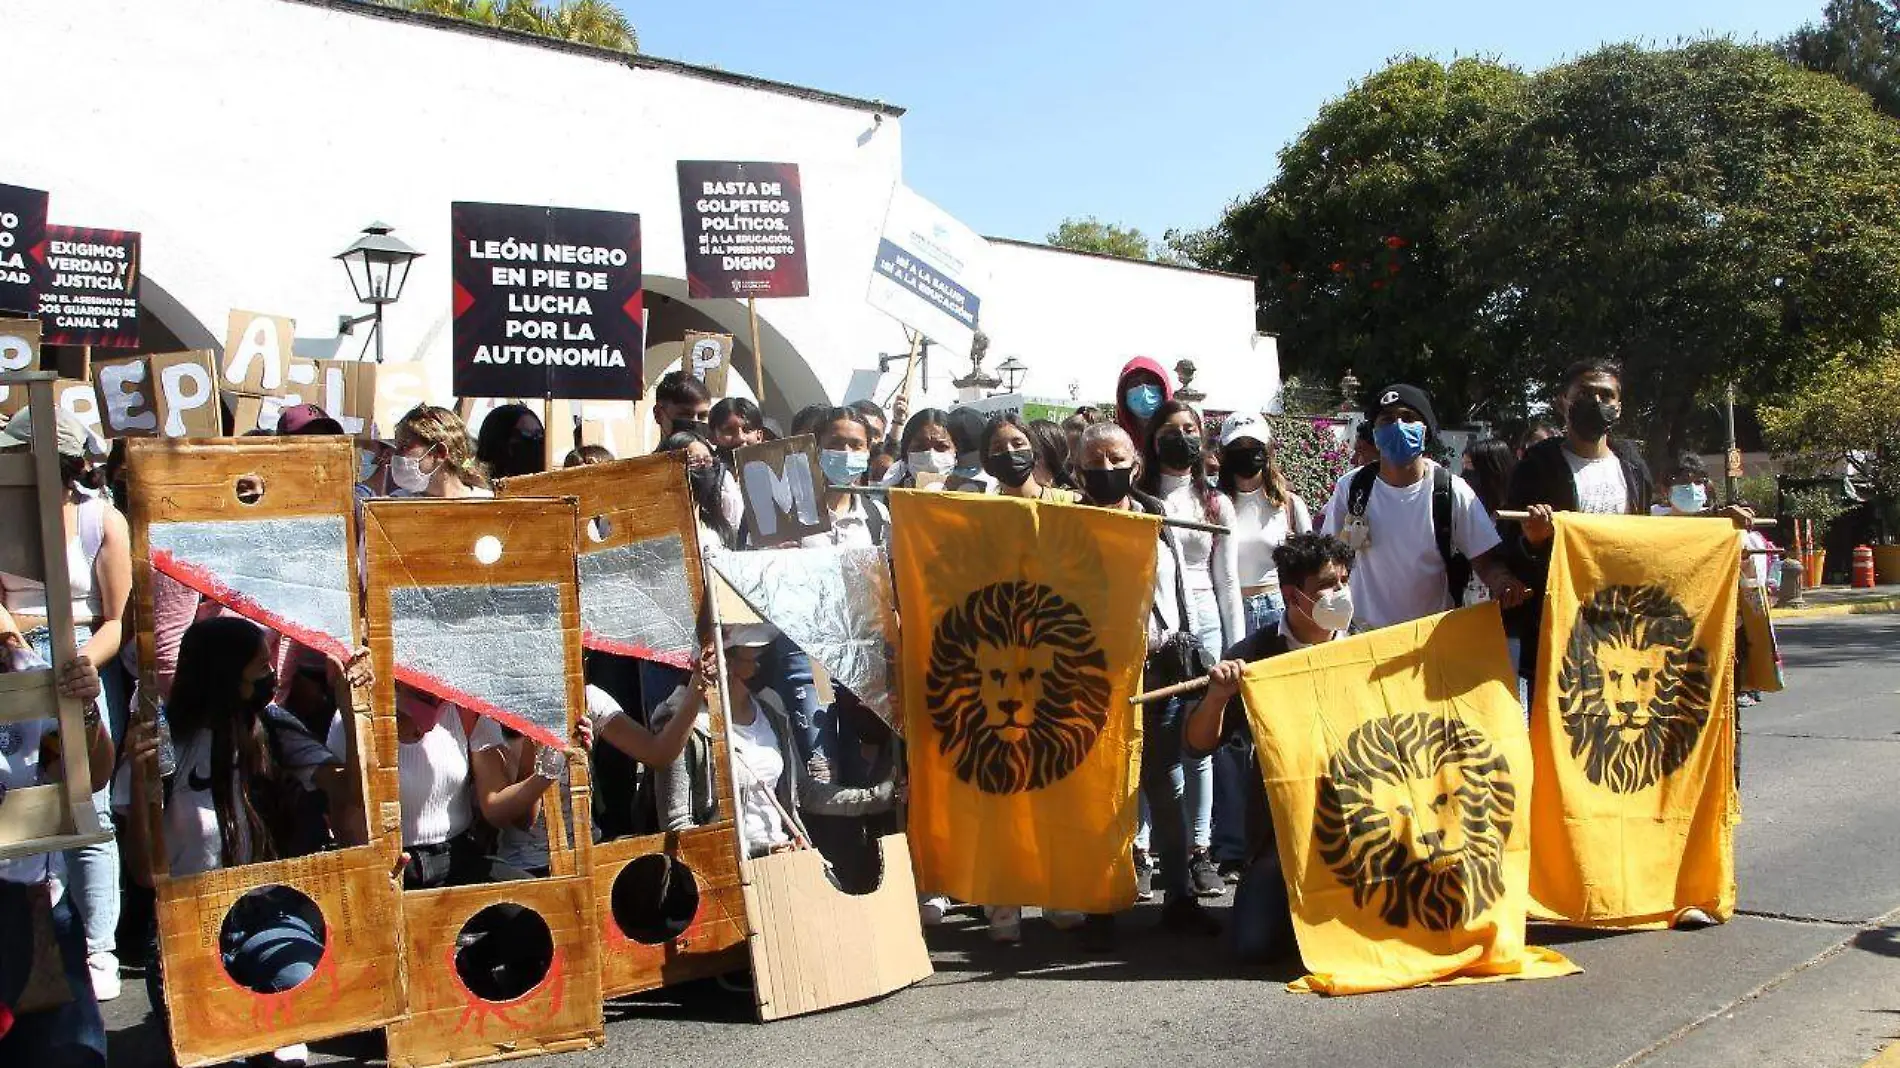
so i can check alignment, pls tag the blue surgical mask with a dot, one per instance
(1688, 497)
(1400, 442)
(842, 467)
(1142, 400)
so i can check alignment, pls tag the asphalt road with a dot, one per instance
(1808, 974)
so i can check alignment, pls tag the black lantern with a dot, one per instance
(378, 265)
(1012, 371)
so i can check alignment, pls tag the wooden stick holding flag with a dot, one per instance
(1166, 520)
(1759, 522)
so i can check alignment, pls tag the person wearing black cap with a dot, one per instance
(1419, 533)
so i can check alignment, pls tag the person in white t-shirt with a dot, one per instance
(1401, 574)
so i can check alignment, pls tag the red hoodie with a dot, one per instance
(1137, 427)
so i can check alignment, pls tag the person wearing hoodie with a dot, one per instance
(1140, 391)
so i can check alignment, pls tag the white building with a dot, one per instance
(250, 140)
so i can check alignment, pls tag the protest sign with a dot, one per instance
(77, 399)
(257, 351)
(185, 390)
(709, 357)
(784, 490)
(19, 354)
(744, 225)
(286, 560)
(22, 228)
(344, 389)
(126, 405)
(547, 302)
(930, 271)
(89, 287)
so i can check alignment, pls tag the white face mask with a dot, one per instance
(931, 462)
(1332, 610)
(406, 472)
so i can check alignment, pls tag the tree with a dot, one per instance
(1858, 41)
(1846, 417)
(1355, 245)
(1704, 214)
(1090, 234)
(590, 22)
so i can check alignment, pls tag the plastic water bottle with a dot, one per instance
(167, 756)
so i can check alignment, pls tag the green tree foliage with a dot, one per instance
(1090, 234)
(590, 22)
(1857, 41)
(1701, 213)
(1846, 417)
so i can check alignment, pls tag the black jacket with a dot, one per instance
(1543, 477)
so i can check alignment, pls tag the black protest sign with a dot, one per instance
(744, 225)
(22, 228)
(547, 302)
(89, 287)
(784, 490)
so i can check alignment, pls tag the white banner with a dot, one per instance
(930, 272)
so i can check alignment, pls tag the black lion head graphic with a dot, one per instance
(1413, 815)
(1634, 689)
(1017, 690)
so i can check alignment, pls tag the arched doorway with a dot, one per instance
(789, 381)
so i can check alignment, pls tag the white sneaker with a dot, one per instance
(1063, 919)
(1006, 923)
(105, 976)
(1691, 918)
(932, 910)
(298, 1054)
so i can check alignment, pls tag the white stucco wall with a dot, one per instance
(250, 140)
(1076, 318)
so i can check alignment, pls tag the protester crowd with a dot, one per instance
(254, 741)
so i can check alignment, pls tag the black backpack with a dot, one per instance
(1457, 568)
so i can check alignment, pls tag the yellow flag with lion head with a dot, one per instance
(1024, 627)
(1399, 775)
(1633, 728)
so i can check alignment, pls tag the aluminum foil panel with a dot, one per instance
(496, 650)
(836, 605)
(291, 574)
(635, 600)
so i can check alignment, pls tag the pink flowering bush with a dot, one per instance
(1310, 455)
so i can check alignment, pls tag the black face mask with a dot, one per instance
(1106, 485)
(262, 690)
(1012, 469)
(705, 482)
(525, 455)
(1244, 462)
(726, 455)
(697, 426)
(1179, 450)
(1594, 418)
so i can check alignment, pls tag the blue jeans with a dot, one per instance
(1199, 771)
(92, 873)
(1161, 787)
(1263, 610)
(1262, 918)
(72, 1034)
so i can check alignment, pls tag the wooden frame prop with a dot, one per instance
(638, 544)
(286, 560)
(56, 815)
(477, 571)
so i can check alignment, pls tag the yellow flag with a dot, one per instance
(1023, 634)
(1399, 775)
(1633, 728)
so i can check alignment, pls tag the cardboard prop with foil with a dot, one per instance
(642, 588)
(53, 815)
(476, 601)
(285, 559)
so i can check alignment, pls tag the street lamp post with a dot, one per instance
(1012, 371)
(378, 266)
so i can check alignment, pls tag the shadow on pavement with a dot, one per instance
(962, 952)
(1833, 642)
(1881, 941)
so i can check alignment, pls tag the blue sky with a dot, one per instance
(1022, 112)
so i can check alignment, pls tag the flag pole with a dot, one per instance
(1759, 522)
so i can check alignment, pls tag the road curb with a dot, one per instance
(1882, 606)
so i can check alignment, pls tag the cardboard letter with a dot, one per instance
(125, 397)
(782, 489)
(187, 394)
(257, 352)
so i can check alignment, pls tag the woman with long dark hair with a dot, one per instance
(512, 442)
(1171, 471)
(1266, 513)
(1488, 465)
(707, 479)
(925, 447)
(1013, 457)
